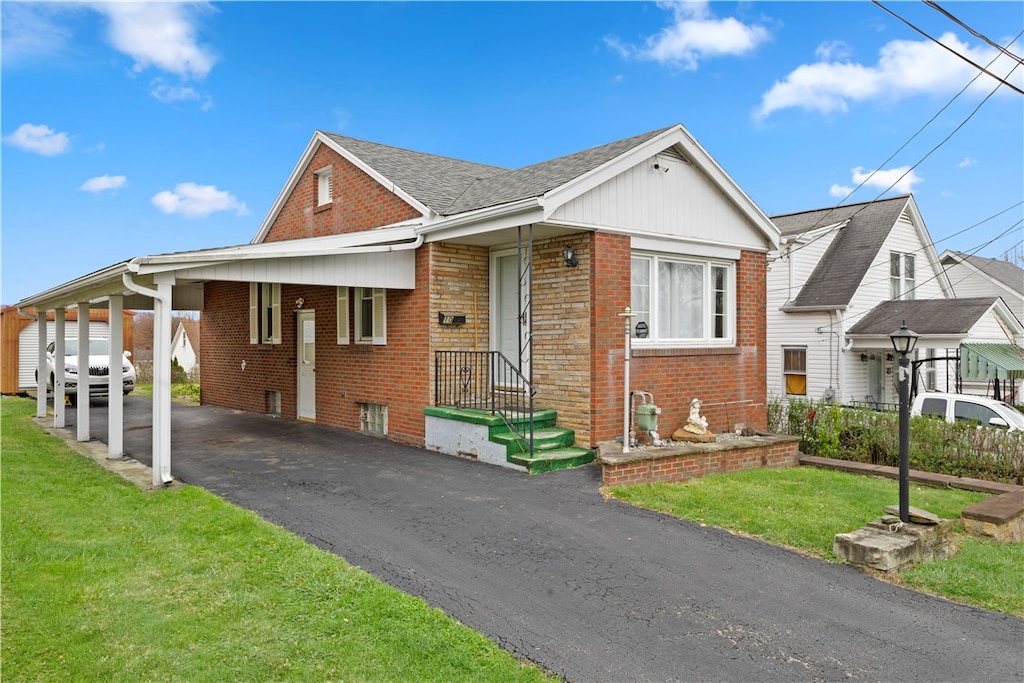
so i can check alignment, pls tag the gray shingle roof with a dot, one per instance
(842, 267)
(434, 180)
(925, 316)
(1005, 272)
(451, 186)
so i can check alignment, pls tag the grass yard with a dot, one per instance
(805, 507)
(102, 581)
(187, 393)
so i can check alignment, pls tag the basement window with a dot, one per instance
(373, 419)
(273, 397)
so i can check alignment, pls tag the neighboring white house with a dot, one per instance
(978, 276)
(843, 280)
(185, 345)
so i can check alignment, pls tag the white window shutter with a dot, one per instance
(380, 316)
(275, 306)
(343, 334)
(254, 313)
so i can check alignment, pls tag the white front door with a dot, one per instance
(306, 403)
(508, 331)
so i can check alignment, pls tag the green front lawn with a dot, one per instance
(102, 581)
(805, 507)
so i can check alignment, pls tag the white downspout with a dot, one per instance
(844, 345)
(161, 372)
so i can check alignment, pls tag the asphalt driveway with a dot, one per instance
(591, 589)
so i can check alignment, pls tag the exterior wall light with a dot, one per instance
(569, 254)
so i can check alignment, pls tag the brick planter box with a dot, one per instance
(682, 461)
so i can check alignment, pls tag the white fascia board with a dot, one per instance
(655, 242)
(693, 151)
(320, 139)
(93, 287)
(310, 246)
(861, 342)
(811, 235)
(499, 217)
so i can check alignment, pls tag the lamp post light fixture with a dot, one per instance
(903, 341)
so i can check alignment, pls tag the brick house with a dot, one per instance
(417, 296)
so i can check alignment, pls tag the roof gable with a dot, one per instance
(935, 317)
(1002, 272)
(862, 230)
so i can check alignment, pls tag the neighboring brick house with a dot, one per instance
(393, 291)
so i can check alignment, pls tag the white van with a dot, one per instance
(962, 408)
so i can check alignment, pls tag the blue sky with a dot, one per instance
(135, 129)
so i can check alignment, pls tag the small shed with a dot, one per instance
(19, 338)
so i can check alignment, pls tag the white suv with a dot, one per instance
(99, 368)
(962, 408)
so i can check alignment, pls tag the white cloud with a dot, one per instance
(968, 161)
(832, 49)
(31, 30)
(904, 69)
(159, 34)
(103, 183)
(901, 179)
(840, 191)
(695, 34)
(39, 139)
(197, 201)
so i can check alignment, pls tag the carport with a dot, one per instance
(164, 283)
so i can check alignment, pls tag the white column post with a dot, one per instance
(162, 380)
(58, 368)
(82, 416)
(41, 376)
(115, 386)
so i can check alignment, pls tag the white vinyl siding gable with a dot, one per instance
(875, 287)
(682, 203)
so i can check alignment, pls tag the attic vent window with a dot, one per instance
(324, 186)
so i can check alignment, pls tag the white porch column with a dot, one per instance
(41, 373)
(58, 368)
(82, 416)
(162, 379)
(115, 386)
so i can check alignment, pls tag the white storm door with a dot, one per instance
(876, 389)
(306, 402)
(508, 331)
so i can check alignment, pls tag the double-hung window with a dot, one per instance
(371, 305)
(901, 276)
(794, 370)
(682, 301)
(264, 313)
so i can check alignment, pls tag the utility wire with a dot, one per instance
(935, 6)
(951, 50)
(918, 163)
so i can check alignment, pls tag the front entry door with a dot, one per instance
(306, 403)
(507, 329)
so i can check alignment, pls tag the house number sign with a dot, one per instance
(641, 330)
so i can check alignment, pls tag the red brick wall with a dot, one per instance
(360, 203)
(346, 376)
(691, 465)
(731, 382)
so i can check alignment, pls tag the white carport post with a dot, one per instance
(58, 368)
(115, 386)
(41, 365)
(162, 379)
(84, 390)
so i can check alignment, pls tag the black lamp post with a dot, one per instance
(903, 341)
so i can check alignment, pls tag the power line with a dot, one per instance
(1001, 81)
(918, 163)
(935, 6)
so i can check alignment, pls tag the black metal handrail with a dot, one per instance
(486, 380)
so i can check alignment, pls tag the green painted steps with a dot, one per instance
(553, 447)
